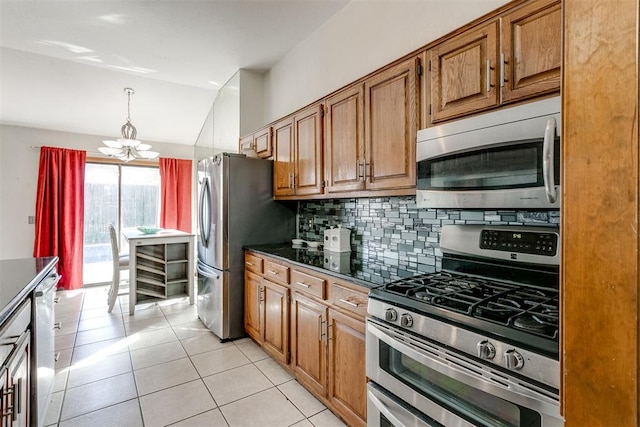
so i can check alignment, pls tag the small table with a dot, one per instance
(160, 266)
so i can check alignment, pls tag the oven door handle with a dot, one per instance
(384, 410)
(548, 172)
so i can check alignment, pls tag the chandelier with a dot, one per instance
(128, 147)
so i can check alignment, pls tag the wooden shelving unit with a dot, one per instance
(161, 267)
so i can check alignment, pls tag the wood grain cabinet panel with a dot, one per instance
(262, 142)
(308, 174)
(277, 273)
(283, 158)
(297, 151)
(347, 377)
(344, 140)
(532, 49)
(308, 343)
(275, 320)
(463, 73)
(391, 118)
(252, 305)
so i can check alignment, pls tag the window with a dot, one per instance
(122, 195)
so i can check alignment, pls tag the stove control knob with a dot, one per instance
(486, 350)
(513, 360)
(390, 315)
(406, 320)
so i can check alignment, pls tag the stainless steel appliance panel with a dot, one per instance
(495, 398)
(212, 301)
(385, 410)
(44, 349)
(503, 159)
(236, 209)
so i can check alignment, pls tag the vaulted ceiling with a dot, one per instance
(64, 63)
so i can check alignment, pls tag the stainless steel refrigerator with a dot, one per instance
(235, 208)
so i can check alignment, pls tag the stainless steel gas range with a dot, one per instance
(475, 344)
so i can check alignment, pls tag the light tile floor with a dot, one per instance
(162, 367)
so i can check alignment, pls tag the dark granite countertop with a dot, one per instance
(352, 266)
(18, 278)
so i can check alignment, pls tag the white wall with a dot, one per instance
(226, 116)
(362, 37)
(19, 176)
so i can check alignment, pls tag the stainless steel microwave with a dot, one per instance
(506, 159)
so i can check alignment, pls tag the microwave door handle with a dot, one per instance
(385, 411)
(548, 161)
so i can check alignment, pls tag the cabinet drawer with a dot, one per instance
(276, 272)
(308, 284)
(253, 263)
(349, 299)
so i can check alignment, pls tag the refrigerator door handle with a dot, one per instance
(205, 207)
(207, 272)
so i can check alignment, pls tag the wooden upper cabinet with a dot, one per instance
(463, 73)
(283, 158)
(531, 45)
(344, 140)
(308, 174)
(262, 142)
(259, 142)
(391, 118)
(511, 58)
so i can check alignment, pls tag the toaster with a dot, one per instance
(337, 239)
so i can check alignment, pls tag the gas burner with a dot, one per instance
(530, 323)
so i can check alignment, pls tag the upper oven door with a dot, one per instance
(507, 159)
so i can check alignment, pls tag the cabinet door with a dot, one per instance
(18, 384)
(391, 117)
(463, 73)
(308, 178)
(531, 44)
(283, 157)
(344, 140)
(308, 343)
(347, 377)
(275, 325)
(262, 142)
(252, 305)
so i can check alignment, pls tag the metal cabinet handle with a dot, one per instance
(56, 357)
(248, 263)
(275, 273)
(367, 170)
(502, 70)
(56, 300)
(360, 168)
(488, 76)
(352, 304)
(303, 284)
(57, 325)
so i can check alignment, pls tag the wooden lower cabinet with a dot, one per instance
(308, 342)
(347, 377)
(313, 324)
(266, 315)
(275, 320)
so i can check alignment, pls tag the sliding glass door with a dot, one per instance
(122, 195)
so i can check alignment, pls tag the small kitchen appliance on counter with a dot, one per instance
(337, 239)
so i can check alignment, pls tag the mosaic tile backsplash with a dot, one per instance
(393, 238)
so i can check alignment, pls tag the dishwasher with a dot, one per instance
(43, 321)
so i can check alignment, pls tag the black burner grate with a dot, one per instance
(521, 307)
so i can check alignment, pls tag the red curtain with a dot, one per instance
(60, 211)
(175, 190)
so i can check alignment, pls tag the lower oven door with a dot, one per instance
(386, 410)
(451, 389)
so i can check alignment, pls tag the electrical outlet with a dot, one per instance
(31, 219)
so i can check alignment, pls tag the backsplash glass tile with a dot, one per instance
(393, 238)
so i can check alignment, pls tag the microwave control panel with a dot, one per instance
(522, 242)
